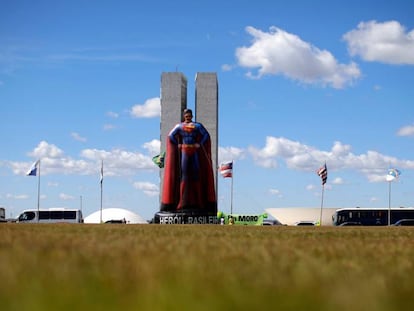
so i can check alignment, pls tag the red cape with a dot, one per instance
(178, 195)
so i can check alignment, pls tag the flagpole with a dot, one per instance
(231, 195)
(323, 174)
(101, 189)
(392, 175)
(38, 194)
(320, 215)
(389, 203)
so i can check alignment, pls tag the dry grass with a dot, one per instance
(205, 267)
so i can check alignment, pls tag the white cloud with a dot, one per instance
(310, 187)
(77, 137)
(294, 154)
(153, 147)
(66, 197)
(149, 189)
(386, 42)
(117, 162)
(151, 108)
(44, 149)
(17, 196)
(112, 114)
(279, 52)
(307, 158)
(226, 67)
(108, 127)
(276, 192)
(338, 149)
(226, 154)
(78, 56)
(337, 181)
(406, 131)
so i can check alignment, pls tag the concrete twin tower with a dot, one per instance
(173, 104)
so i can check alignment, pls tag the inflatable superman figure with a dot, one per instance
(188, 177)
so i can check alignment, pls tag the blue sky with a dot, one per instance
(301, 83)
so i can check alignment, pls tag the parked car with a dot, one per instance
(306, 223)
(271, 222)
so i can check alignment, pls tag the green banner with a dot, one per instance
(241, 219)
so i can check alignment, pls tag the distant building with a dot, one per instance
(114, 215)
(206, 111)
(174, 101)
(293, 215)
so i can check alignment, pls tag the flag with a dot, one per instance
(323, 173)
(393, 174)
(159, 160)
(101, 179)
(226, 169)
(33, 169)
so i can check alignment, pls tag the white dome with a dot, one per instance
(114, 214)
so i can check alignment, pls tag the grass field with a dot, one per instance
(205, 267)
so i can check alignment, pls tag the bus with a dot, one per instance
(2, 214)
(370, 216)
(51, 215)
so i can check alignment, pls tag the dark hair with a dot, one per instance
(187, 111)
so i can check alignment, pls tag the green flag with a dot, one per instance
(159, 160)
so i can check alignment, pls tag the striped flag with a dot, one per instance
(323, 173)
(102, 174)
(33, 170)
(226, 169)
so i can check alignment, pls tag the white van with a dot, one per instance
(51, 215)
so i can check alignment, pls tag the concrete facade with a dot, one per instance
(206, 111)
(173, 103)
